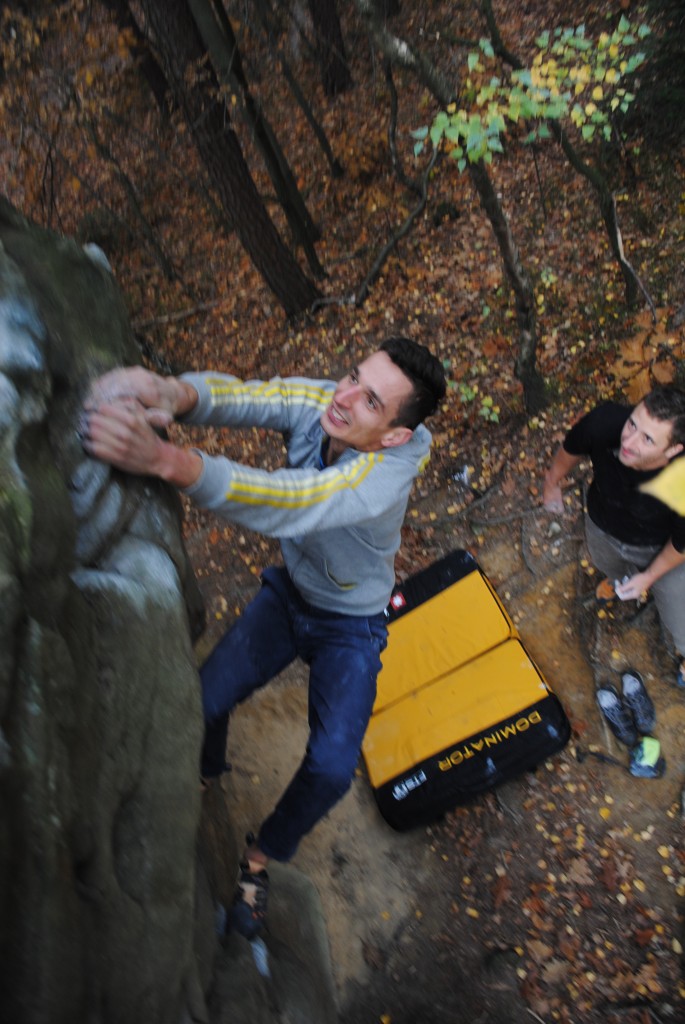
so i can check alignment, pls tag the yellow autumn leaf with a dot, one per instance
(597, 93)
(604, 812)
(669, 486)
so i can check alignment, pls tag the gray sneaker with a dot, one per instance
(618, 716)
(635, 696)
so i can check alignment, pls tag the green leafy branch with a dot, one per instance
(572, 78)
(488, 410)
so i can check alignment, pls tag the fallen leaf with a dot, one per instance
(500, 891)
(579, 872)
(608, 876)
(539, 951)
(643, 936)
(555, 971)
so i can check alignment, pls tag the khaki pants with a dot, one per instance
(616, 560)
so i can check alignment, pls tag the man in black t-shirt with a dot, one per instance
(630, 533)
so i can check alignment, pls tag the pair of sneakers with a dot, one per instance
(630, 714)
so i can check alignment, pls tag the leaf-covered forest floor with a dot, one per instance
(560, 896)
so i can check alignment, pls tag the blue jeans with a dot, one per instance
(343, 654)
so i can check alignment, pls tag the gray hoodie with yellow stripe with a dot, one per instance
(339, 527)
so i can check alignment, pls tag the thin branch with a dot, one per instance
(76, 172)
(410, 183)
(678, 318)
(399, 234)
(498, 44)
(332, 300)
(519, 513)
(524, 548)
(106, 154)
(606, 200)
(403, 54)
(534, 151)
(607, 206)
(172, 318)
(175, 169)
(336, 167)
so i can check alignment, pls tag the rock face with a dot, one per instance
(112, 881)
(100, 721)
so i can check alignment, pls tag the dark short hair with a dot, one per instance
(426, 374)
(668, 403)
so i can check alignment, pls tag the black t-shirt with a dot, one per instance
(614, 502)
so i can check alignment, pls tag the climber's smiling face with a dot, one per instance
(365, 410)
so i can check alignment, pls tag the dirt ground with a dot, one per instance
(557, 897)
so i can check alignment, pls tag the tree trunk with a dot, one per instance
(335, 73)
(607, 208)
(218, 37)
(399, 52)
(534, 391)
(605, 198)
(263, 14)
(181, 49)
(149, 68)
(388, 8)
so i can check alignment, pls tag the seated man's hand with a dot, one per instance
(634, 588)
(163, 398)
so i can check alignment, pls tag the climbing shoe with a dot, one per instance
(617, 715)
(248, 913)
(636, 698)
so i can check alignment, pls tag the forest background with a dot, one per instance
(253, 173)
(278, 186)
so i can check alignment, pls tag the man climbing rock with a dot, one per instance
(354, 450)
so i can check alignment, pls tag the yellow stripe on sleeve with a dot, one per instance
(297, 493)
(265, 392)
